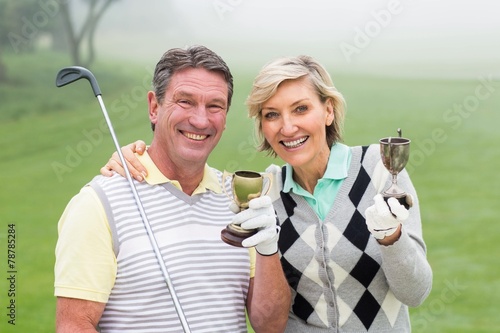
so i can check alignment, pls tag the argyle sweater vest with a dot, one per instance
(210, 278)
(334, 266)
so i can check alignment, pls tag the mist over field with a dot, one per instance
(391, 37)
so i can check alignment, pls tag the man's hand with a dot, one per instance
(260, 215)
(383, 219)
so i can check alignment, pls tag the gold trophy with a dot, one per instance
(395, 152)
(245, 185)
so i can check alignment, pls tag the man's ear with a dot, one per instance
(153, 107)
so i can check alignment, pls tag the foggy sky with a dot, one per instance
(425, 37)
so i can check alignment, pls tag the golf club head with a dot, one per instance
(71, 74)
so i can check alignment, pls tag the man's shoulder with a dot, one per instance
(108, 182)
(218, 174)
(215, 170)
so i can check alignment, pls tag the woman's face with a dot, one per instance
(294, 121)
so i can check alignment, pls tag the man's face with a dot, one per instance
(190, 121)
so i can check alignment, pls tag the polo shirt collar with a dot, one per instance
(155, 177)
(337, 168)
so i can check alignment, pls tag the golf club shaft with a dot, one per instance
(147, 225)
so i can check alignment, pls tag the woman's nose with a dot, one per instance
(288, 126)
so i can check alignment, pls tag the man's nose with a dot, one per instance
(199, 117)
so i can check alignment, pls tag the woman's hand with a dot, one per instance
(384, 219)
(135, 167)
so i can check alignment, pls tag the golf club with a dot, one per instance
(69, 75)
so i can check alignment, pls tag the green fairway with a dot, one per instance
(54, 140)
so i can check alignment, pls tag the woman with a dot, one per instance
(353, 262)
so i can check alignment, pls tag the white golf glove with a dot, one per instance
(259, 215)
(383, 219)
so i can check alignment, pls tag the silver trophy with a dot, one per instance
(245, 185)
(395, 152)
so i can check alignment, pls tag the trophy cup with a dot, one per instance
(395, 152)
(245, 185)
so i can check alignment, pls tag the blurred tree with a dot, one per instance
(21, 24)
(96, 10)
(17, 29)
(24, 22)
(3, 68)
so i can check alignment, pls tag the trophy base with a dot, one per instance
(402, 198)
(234, 234)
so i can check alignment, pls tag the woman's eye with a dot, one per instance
(302, 108)
(270, 115)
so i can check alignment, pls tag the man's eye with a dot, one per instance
(184, 103)
(216, 108)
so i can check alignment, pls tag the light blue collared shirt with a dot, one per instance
(328, 186)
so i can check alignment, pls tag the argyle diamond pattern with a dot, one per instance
(356, 303)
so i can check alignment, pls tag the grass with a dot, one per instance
(54, 141)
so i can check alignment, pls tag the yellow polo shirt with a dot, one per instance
(85, 261)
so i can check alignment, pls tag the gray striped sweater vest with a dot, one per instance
(334, 266)
(211, 278)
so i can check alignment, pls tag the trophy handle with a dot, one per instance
(390, 157)
(269, 177)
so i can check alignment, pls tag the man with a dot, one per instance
(107, 277)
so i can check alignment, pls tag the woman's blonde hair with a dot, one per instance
(273, 74)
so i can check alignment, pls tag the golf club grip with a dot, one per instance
(71, 74)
